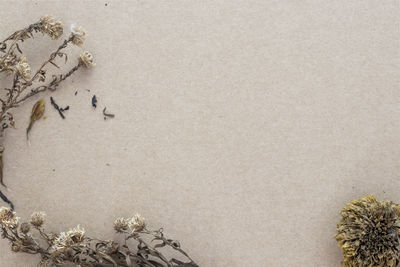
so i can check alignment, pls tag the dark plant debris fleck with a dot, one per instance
(94, 101)
(109, 115)
(60, 110)
(76, 92)
(6, 200)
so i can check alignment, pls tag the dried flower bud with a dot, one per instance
(7, 62)
(137, 223)
(121, 225)
(78, 35)
(60, 241)
(51, 27)
(23, 68)
(25, 227)
(16, 246)
(86, 58)
(37, 219)
(76, 235)
(8, 218)
(51, 236)
(369, 233)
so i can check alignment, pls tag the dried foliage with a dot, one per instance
(26, 82)
(369, 233)
(75, 247)
(140, 246)
(37, 113)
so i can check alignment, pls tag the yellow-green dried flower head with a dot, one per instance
(369, 233)
(8, 218)
(51, 27)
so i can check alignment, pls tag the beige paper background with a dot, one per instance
(242, 127)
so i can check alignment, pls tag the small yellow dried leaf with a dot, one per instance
(37, 113)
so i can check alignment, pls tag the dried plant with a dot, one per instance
(75, 247)
(369, 233)
(140, 246)
(27, 83)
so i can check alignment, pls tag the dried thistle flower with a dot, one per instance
(137, 223)
(8, 218)
(23, 68)
(51, 27)
(86, 58)
(78, 35)
(37, 218)
(72, 237)
(369, 233)
(76, 235)
(25, 227)
(121, 225)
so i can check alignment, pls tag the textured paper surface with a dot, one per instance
(242, 127)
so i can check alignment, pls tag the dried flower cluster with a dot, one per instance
(369, 233)
(27, 82)
(72, 246)
(8, 218)
(51, 27)
(134, 224)
(75, 247)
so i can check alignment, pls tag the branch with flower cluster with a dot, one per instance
(140, 246)
(25, 82)
(75, 247)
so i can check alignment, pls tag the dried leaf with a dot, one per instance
(37, 113)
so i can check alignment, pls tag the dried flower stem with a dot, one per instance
(18, 36)
(13, 61)
(52, 86)
(73, 246)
